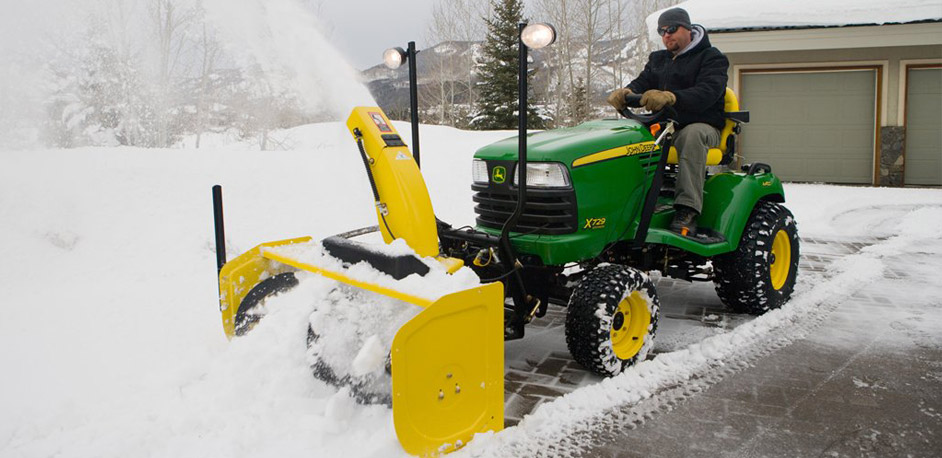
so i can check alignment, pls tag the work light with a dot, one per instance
(394, 57)
(479, 171)
(538, 35)
(545, 175)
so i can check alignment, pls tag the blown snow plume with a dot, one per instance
(283, 38)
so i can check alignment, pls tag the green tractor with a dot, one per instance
(592, 218)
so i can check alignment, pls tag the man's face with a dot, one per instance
(676, 41)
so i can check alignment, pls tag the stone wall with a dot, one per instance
(891, 156)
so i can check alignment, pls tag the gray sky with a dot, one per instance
(362, 29)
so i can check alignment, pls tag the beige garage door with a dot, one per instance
(924, 127)
(815, 127)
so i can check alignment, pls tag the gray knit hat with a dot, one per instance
(674, 16)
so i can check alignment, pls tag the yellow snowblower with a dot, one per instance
(447, 362)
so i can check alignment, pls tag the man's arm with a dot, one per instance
(709, 86)
(646, 80)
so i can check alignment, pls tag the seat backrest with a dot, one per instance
(721, 154)
(731, 104)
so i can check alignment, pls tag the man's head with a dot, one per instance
(674, 28)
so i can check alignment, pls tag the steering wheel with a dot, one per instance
(634, 101)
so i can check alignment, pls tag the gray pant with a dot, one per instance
(692, 143)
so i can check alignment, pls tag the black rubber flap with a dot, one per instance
(351, 252)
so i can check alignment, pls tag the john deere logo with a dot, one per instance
(499, 174)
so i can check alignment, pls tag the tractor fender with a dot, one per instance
(729, 198)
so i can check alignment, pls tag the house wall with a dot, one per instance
(887, 49)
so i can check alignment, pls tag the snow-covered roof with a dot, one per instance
(777, 14)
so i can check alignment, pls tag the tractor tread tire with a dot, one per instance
(742, 277)
(591, 307)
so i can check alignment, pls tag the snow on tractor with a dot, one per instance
(575, 217)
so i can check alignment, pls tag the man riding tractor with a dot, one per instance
(691, 76)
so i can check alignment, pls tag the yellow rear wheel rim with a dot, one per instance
(630, 325)
(781, 259)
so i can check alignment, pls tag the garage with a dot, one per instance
(923, 153)
(812, 125)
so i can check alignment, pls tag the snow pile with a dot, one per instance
(738, 14)
(433, 285)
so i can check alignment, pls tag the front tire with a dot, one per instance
(612, 319)
(760, 275)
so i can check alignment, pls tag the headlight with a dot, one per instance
(545, 175)
(479, 171)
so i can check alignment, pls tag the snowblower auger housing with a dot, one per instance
(447, 362)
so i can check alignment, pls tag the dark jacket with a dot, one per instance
(697, 78)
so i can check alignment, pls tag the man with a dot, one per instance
(691, 76)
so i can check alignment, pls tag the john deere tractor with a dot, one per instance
(575, 217)
(594, 220)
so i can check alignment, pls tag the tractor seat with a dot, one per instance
(723, 153)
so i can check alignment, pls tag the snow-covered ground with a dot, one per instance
(113, 344)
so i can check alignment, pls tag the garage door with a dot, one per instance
(924, 127)
(812, 126)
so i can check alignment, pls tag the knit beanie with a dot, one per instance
(674, 16)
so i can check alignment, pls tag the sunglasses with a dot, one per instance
(666, 30)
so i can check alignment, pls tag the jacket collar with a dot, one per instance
(698, 43)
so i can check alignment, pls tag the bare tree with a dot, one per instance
(455, 27)
(171, 20)
(210, 52)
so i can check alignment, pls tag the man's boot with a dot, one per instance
(685, 221)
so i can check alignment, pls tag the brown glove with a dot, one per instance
(654, 99)
(617, 98)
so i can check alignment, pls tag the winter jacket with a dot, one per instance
(696, 76)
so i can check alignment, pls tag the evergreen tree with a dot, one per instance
(497, 105)
(579, 103)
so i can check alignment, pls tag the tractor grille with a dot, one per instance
(548, 211)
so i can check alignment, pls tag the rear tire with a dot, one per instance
(612, 319)
(760, 275)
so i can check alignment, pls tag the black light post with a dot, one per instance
(393, 58)
(535, 36)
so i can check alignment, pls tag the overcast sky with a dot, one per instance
(362, 29)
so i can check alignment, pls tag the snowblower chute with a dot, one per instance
(447, 362)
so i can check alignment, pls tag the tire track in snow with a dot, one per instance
(601, 411)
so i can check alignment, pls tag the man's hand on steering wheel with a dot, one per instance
(617, 98)
(623, 99)
(655, 100)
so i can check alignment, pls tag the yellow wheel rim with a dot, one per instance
(630, 325)
(781, 259)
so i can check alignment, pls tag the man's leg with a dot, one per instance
(692, 144)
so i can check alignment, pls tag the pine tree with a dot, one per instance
(497, 108)
(579, 103)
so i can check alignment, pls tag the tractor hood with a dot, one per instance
(570, 143)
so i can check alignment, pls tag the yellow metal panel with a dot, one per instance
(451, 264)
(420, 301)
(241, 274)
(399, 183)
(448, 371)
